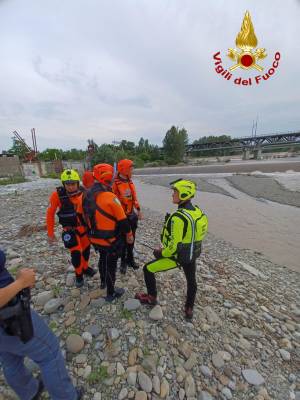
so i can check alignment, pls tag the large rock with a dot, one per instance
(164, 388)
(43, 297)
(94, 330)
(74, 343)
(191, 362)
(156, 313)
(52, 305)
(189, 386)
(250, 333)
(211, 316)
(172, 331)
(145, 382)
(141, 395)
(205, 396)
(217, 360)
(253, 377)
(132, 304)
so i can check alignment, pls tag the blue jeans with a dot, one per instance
(43, 349)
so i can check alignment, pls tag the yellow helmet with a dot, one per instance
(186, 189)
(70, 176)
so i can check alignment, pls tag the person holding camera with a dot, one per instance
(23, 333)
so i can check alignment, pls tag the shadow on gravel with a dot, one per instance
(202, 184)
(263, 187)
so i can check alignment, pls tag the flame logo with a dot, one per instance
(246, 40)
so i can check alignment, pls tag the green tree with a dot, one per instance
(18, 148)
(51, 154)
(174, 145)
(106, 153)
(127, 146)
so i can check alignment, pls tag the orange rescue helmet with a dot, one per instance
(124, 167)
(103, 173)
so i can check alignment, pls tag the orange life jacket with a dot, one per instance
(102, 211)
(69, 211)
(125, 190)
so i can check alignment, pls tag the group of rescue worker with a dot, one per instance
(104, 214)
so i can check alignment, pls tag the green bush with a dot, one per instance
(52, 175)
(98, 375)
(11, 180)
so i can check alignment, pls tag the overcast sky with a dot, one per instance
(122, 69)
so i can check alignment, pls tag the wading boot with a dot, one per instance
(188, 313)
(89, 272)
(117, 293)
(131, 263)
(145, 298)
(79, 281)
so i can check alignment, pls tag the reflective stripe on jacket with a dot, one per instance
(125, 190)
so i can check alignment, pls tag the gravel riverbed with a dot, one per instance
(243, 343)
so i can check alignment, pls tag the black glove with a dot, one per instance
(157, 253)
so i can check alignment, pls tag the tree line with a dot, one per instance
(142, 153)
(172, 151)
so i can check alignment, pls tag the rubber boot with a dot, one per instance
(188, 313)
(123, 267)
(79, 281)
(89, 272)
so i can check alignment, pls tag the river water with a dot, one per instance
(269, 228)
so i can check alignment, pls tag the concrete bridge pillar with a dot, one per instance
(257, 153)
(246, 153)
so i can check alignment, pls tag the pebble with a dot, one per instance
(285, 355)
(227, 393)
(253, 377)
(206, 371)
(205, 396)
(123, 394)
(74, 343)
(87, 337)
(113, 333)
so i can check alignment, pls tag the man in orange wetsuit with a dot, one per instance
(124, 188)
(88, 179)
(68, 198)
(107, 225)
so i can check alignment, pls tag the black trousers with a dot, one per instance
(165, 264)
(107, 265)
(127, 252)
